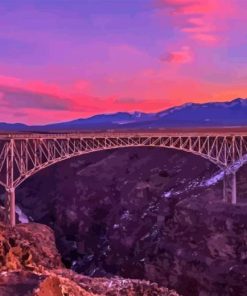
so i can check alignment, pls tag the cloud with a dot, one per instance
(182, 56)
(19, 98)
(204, 21)
(20, 114)
(9, 80)
(128, 100)
(190, 6)
(28, 95)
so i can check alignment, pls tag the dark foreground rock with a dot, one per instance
(141, 213)
(63, 283)
(28, 246)
(30, 266)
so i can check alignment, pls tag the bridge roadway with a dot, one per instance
(24, 154)
(190, 132)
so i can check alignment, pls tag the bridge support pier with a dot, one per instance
(10, 207)
(230, 188)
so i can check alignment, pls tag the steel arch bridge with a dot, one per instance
(22, 155)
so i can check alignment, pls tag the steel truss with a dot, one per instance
(21, 156)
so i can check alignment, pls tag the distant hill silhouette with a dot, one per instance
(213, 114)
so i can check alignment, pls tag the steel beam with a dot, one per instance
(10, 190)
(230, 188)
(10, 207)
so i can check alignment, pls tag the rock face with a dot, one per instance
(30, 266)
(147, 214)
(28, 246)
(64, 283)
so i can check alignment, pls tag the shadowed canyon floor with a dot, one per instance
(147, 213)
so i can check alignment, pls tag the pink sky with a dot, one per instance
(61, 61)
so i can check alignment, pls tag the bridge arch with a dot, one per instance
(47, 164)
(22, 156)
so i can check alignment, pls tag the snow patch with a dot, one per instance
(125, 215)
(234, 167)
(172, 110)
(167, 194)
(21, 216)
(116, 226)
(219, 176)
(172, 193)
(213, 180)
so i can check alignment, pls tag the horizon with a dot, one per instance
(128, 112)
(65, 60)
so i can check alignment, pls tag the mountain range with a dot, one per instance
(213, 114)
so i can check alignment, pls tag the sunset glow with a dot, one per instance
(67, 59)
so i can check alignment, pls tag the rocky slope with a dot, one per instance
(144, 213)
(30, 265)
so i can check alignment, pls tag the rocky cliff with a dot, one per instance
(30, 265)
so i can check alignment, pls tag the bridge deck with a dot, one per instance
(182, 132)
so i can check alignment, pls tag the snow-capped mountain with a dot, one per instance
(232, 113)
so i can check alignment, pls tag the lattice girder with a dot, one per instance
(31, 154)
(23, 155)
